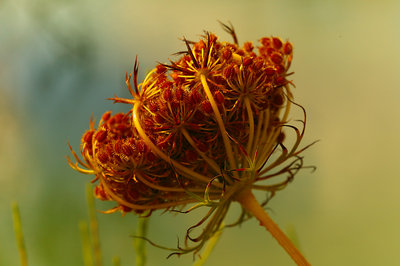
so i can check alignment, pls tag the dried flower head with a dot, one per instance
(202, 130)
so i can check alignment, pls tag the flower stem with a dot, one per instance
(209, 247)
(251, 125)
(94, 226)
(249, 202)
(221, 125)
(18, 234)
(140, 244)
(86, 246)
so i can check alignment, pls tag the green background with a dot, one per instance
(60, 60)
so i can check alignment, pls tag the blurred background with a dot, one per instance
(60, 60)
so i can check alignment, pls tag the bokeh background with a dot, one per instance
(60, 60)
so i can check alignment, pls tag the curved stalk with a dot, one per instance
(251, 124)
(209, 246)
(257, 135)
(270, 141)
(221, 125)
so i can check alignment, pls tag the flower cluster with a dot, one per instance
(201, 129)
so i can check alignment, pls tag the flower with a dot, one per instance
(202, 129)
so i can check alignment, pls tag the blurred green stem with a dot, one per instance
(139, 243)
(292, 234)
(86, 247)
(116, 261)
(209, 247)
(18, 234)
(94, 227)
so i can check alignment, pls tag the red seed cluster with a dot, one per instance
(194, 122)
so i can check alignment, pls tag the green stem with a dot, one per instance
(18, 234)
(140, 243)
(94, 226)
(249, 202)
(209, 247)
(116, 261)
(86, 247)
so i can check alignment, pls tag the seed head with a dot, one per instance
(201, 129)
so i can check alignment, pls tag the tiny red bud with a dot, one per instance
(270, 71)
(277, 43)
(226, 53)
(276, 58)
(265, 41)
(280, 69)
(277, 100)
(258, 64)
(240, 52)
(103, 157)
(127, 149)
(229, 71)
(248, 46)
(161, 69)
(270, 51)
(101, 135)
(247, 61)
(106, 116)
(118, 146)
(263, 50)
(219, 97)
(287, 48)
(87, 137)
